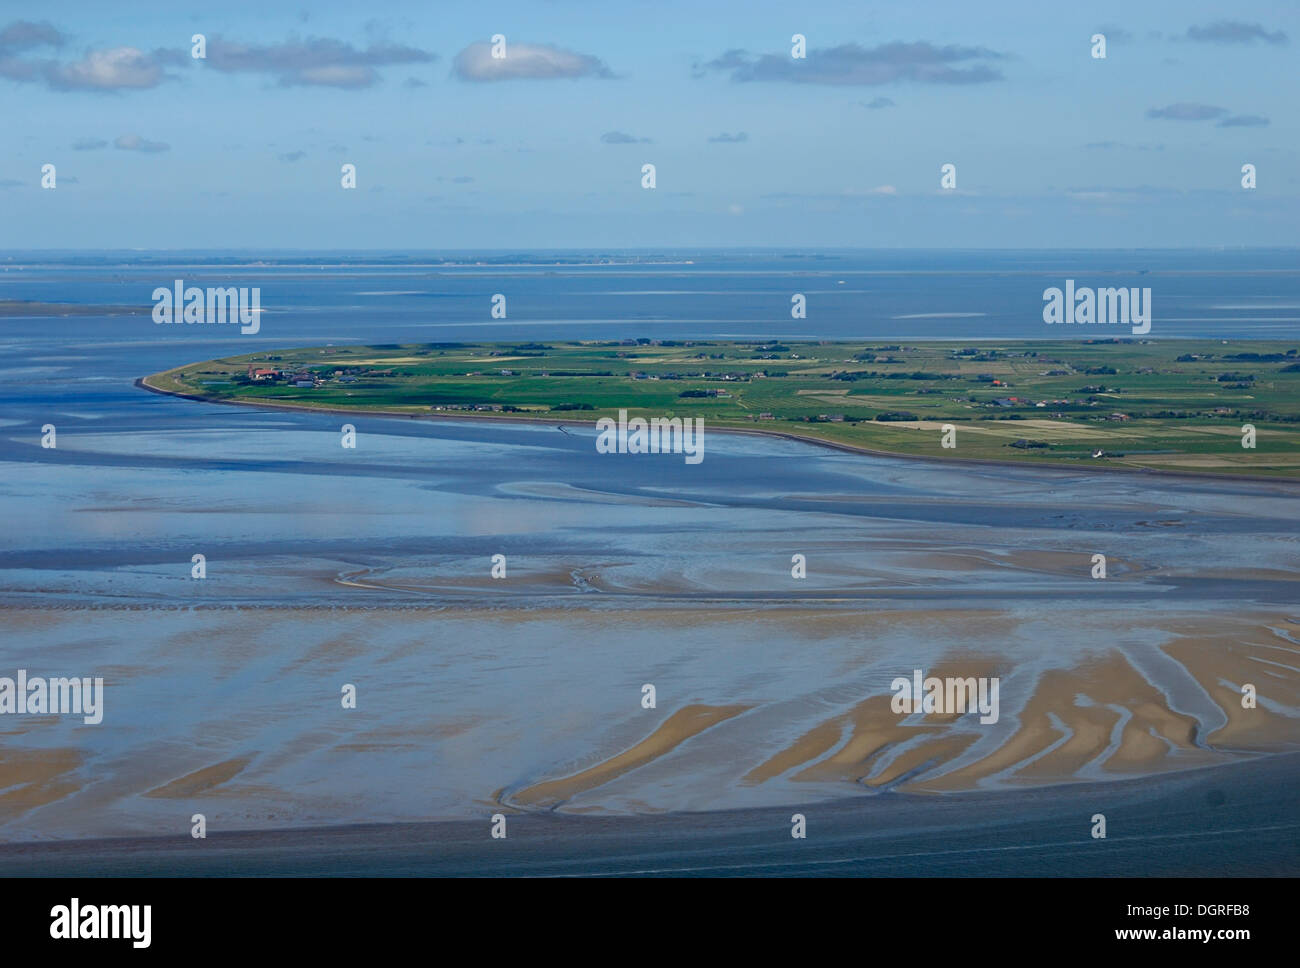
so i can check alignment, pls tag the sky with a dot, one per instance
(454, 148)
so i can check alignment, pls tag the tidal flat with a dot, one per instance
(373, 567)
(524, 692)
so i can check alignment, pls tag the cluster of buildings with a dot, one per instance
(306, 378)
(301, 378)
(734, 377)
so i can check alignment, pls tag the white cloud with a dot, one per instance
(107, 70)
(526, 61)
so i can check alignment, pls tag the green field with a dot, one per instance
(1175, 405)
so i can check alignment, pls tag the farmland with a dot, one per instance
(1177, 405)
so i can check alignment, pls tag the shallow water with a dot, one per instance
(371, 566)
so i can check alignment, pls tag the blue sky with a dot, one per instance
(454, 150)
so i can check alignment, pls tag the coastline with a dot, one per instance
(144, 384)
(1204, 822)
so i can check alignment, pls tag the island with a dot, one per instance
(1184, 406)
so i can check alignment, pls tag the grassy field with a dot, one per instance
(1174, 405)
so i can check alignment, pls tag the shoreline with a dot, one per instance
(469, 415)
(1197, 822)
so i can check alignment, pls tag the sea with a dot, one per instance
(328, 567)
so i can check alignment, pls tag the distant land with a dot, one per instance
(10, 308)
(1168, 405)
